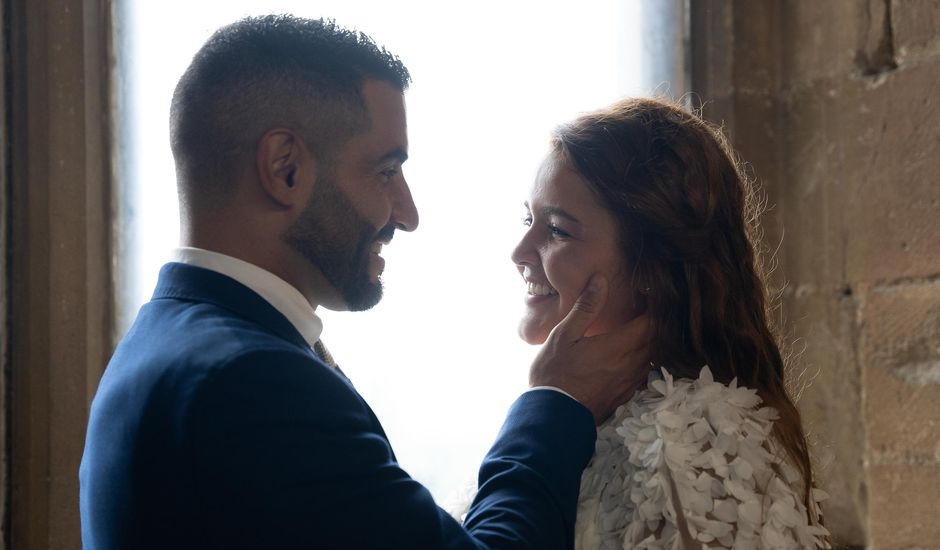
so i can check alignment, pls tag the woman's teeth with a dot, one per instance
(541, 290)
(376, 247)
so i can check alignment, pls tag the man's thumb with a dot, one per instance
(585, 309)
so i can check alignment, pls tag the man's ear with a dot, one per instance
(284, 166)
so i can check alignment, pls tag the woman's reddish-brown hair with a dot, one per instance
(687, 218)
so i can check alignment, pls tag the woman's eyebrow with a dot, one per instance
(548, 211)
(560, 212)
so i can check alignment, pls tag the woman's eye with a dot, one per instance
(527, 221)
(557, 231)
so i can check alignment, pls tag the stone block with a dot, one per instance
(891, 153)
(757, 41)
(860, 164)
(754, 113)
(901, 325)
(904, 506)
(915, 28)
(711, 36)
(902, 407)
(810, 187)
(821, 39)
(903, 414)
(901, 356)
(824, 374)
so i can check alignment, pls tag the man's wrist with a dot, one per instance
(555, 389)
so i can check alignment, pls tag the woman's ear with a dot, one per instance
(283, 166)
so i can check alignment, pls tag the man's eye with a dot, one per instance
(527, 221)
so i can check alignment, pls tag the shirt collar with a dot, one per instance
(278, 292)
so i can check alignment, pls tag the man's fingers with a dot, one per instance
(587, 307)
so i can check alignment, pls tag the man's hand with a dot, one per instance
(602, 372)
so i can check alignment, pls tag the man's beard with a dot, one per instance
(332, 236)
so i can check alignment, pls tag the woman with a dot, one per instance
(712, 451)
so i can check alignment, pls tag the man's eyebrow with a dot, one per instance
(398, 154)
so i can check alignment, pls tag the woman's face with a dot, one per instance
(569, 237)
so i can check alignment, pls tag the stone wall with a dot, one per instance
(835, 107)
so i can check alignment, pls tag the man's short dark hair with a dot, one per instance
(267, 72)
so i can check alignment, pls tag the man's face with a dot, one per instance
(358, 201)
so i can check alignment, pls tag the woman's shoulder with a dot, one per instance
(709, 446)
(703, 421)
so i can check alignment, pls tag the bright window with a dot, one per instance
(438, 359)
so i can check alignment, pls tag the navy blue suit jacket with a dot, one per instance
(216, 426)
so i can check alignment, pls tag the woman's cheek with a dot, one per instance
(565, 274)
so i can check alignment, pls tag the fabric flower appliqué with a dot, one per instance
(698, 454)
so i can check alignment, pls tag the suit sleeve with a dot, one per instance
(286, 454)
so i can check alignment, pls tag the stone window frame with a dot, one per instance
(56, 283)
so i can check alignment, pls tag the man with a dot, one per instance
(221, 421)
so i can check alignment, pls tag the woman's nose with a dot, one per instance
(524, 251)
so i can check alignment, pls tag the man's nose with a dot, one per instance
(404, 211)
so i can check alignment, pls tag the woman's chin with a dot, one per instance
(534, 336)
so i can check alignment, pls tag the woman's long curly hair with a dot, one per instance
(688, 231)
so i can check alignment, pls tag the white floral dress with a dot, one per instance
(689, 464)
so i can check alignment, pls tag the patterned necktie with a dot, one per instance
(323, 353)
